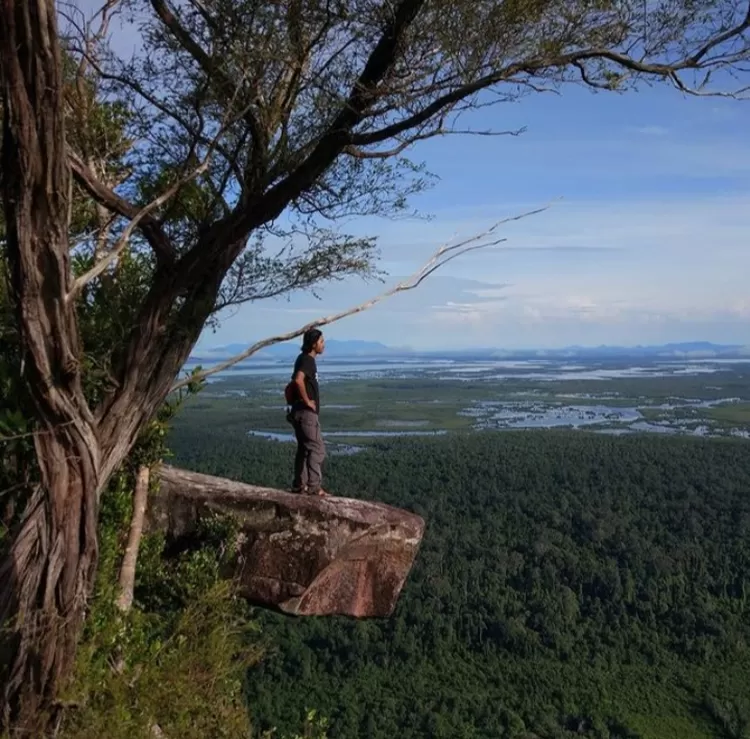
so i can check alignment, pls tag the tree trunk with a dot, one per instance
(46, 581)
(127, 570)
(47, 573)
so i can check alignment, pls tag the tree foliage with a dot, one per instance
(220, 160)
(568, 584)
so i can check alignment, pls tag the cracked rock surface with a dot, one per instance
(304, 555)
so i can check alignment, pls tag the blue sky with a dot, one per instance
(647, 240)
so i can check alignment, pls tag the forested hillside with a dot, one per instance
(568, 584)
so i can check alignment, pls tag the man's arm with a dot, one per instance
(299, 380)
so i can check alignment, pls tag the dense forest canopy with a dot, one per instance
(140, 193)
(569, 584)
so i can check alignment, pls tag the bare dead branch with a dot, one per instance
(92, 40)
(150, 227)
(675, 79)
(124, 239)
(439, 258)
(129, 561)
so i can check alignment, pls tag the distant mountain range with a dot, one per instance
(357, 348)
(287, 349)
(685, 350)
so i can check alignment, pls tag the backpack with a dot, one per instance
(290, 392)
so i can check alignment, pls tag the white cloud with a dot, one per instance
(489, 293)
(563, 307)
(672, 268)
(651, 130)
(683, 233)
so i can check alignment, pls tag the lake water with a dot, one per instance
(503, 414)
(447, 369)
(508, 415)
(676, 414)
(276, 436)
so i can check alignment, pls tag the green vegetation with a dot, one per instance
(420, 402)
(737, 413)
(220, 160)
(379, 415)
(569, 584)
(178, 659)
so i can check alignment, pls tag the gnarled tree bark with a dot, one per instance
(46, 576)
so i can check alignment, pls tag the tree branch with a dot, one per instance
(206, 15)
(440, 257)
(126, 580)
(359, 153)
(89, 39)
(436, 106)
(575, 58)
(149, 226)
(208, 66)
(124, 239)
(586, 79)
(731, 33)
(132, 84)
(338, 134)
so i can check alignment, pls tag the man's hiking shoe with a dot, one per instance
(319, 492)
(304, 491)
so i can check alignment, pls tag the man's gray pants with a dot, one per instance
(311, 451)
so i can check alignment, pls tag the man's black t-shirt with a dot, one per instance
(306, 363)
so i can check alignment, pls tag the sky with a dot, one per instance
(646, 239)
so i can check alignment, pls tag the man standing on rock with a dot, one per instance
(311, 451)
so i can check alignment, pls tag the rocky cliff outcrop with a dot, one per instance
(304, 555)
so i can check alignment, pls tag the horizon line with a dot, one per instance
(708, 344)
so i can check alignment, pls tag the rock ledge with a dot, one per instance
(304, 555)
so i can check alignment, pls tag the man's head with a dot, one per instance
(313, 341)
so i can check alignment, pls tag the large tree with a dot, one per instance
(249, 123)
